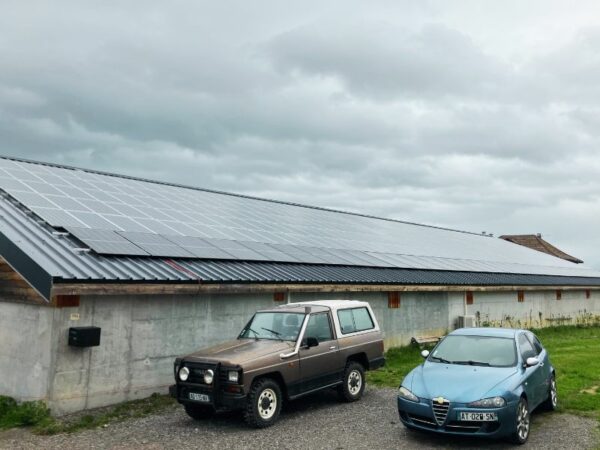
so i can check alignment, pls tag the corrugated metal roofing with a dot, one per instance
(45, 256)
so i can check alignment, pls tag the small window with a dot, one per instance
(393, 300)
(558, 294)
(527, 350)
(520, 296)
(537, 345)
(469, 297)
(356, 319)
(588, 294)
(319, 327)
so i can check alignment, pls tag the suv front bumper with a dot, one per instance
(219, 401)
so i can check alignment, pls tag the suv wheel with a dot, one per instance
(353, 383)
(263, 404)
(198, 412)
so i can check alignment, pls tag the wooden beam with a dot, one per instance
(202, 288)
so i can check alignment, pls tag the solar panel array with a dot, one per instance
(116, 215)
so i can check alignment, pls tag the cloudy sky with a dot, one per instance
(477, 115)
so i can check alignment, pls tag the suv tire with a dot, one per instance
(198, 412)
(353, 382)
(263, 404)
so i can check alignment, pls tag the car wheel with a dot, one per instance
(522, 423)
(551, 402)
(198, 412)
(263, 404)
(353, 383)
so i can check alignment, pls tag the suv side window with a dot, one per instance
(527, 350)
(355, 319)
(319, 327)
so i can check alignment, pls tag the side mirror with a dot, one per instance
(532, 362)
(425, 353)
(311, 342)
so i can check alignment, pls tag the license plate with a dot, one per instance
(478, 417)
(199, 397)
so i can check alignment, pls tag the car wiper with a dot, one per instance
(274, 332)
(440, 359)
(255, 333)
(471, 363)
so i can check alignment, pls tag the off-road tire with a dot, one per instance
(551, 403)
(199, 412)
(518, 437)
(353, 373)
(260, 411)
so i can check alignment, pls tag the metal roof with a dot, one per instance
(46, 255)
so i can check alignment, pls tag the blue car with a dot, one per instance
(479, 382)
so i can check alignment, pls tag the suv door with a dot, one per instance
(321, 365)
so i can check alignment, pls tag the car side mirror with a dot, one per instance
(425, 353)
(311, 342)
(532, 362)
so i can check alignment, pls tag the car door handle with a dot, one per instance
(333, 347)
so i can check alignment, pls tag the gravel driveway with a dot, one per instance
(319, 421)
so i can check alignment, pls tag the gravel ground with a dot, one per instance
(316, 422)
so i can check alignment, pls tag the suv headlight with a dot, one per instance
(209, 376)
(406, 394)
(233, 376)
(184, 373)
(491, 402)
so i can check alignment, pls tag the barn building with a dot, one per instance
(161, 269)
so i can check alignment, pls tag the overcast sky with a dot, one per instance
(473, 115)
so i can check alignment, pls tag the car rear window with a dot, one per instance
(355, 319)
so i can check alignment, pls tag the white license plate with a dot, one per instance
(199, 397)
(478, 417)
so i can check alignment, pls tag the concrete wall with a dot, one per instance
(141, 336)
(25, 353)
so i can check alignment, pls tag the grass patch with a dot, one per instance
(574, 352)
(37, 415)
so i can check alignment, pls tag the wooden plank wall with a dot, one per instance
(14, 288)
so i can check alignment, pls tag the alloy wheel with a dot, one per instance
(522, 421)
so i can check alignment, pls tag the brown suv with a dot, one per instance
(281, 354)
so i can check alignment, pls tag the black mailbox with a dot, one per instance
(84, 336)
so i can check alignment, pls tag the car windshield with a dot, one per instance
(280, 326)
(475, 350)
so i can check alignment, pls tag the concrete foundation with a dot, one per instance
(141, 336)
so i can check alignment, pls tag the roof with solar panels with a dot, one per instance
(62, 224)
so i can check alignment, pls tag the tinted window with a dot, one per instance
(484, 350)
(355, 319)
(346, 321)
(319, 327)
(536, 343)
(527, 350)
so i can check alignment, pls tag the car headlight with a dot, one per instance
(184, 373)
(233, 376)
(406, 394)
(492, 402)
(209, 376)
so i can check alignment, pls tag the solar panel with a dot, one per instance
(106, 242)
(249, 229)
(155, 245)
(200, 248)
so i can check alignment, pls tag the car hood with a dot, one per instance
(239, 351)
(456, 382)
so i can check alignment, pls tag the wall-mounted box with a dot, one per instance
(84, 336)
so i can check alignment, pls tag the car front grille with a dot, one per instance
(440, 410)
(197, 371)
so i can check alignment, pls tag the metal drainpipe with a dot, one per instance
(288, 297)
(465, 301)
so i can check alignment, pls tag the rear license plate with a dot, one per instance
(199, 397)
(478, 417)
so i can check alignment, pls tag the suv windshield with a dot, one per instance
(475, 350)
(273, 325)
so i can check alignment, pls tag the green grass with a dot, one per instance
(574, 352)
(37, 415)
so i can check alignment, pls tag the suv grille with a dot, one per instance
(440, 410)
(197, 371)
